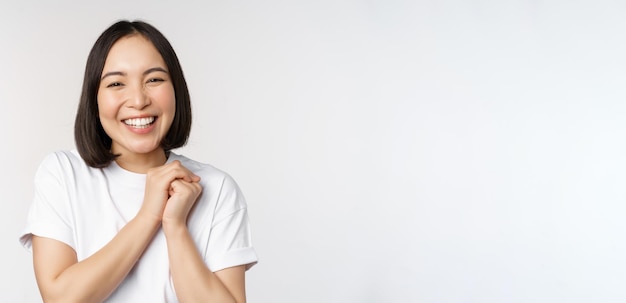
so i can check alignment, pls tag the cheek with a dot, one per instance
(105, 105)
(166, 99)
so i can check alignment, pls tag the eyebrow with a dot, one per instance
(148, 71)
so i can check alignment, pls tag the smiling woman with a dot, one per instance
(136, 102)
(123, 218)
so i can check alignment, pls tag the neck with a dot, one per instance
(141, 163)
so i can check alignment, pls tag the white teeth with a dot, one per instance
(139, 122)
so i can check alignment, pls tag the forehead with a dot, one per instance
(133, 52)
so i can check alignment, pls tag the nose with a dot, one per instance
(138, 98)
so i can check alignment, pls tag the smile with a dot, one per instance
(139, 122)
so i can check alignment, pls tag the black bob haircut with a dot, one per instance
(93, 144)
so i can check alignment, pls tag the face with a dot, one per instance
(136, 99)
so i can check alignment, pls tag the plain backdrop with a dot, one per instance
(390, 151)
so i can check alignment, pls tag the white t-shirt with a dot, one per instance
(85, 207)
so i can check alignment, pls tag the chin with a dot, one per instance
(144, 149)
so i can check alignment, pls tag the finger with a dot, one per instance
(188, 177)
(192, 188)
(183, 172)
(176, 185)
(175, 170)
(180, 184)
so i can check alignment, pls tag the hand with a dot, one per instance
(158, 184)
(183, 195)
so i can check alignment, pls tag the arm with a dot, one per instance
(61, 278)
(193, 280)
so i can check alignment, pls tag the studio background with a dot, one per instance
(390, 151)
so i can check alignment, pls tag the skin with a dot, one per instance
(135, 84)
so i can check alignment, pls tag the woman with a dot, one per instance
(122, 218)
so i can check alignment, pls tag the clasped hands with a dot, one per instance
(171, 191)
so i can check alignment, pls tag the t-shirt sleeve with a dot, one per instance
(49, 214)
(230, 241)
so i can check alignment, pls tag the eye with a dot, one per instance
(114, 84)
(154, 80)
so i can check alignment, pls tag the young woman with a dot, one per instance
(123, 218)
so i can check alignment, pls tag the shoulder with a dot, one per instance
(63, 166)
(63, 156)
(204, 170)
(62, 160)
(210, 175)
(221, 193)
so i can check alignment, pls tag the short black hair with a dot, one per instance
(93, 144)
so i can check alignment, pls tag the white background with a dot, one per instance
(390, 151)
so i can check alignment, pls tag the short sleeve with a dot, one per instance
(230, 240)
(49, 214)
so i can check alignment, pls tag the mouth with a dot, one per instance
(140, 122)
